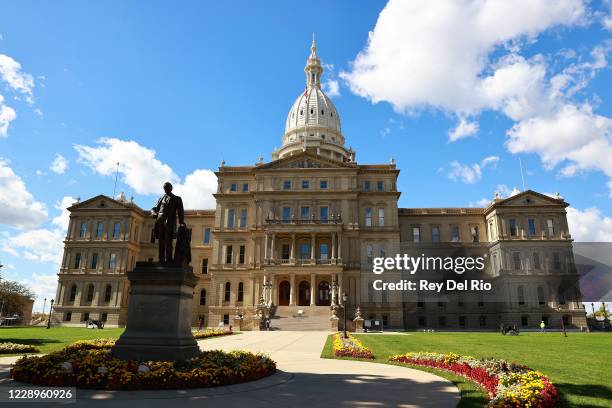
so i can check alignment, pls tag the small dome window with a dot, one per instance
(311, 111)
(332, 114)
(322, 136)
(301, 111)
(321, 111)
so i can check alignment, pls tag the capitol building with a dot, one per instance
(298, 232)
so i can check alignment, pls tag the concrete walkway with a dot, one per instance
(303, 380)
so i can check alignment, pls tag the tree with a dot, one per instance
(13, 297)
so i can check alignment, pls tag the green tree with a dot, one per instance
(13, 297)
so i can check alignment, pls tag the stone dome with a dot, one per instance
(313, 123)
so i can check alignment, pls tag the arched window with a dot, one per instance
(203, 297)
(73, 290)
(90, 292)
(107, 293)
(240, 292)
(228, 287)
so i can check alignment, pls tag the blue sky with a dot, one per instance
(455, 91)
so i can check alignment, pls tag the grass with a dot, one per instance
(580, 365)
(55, 338)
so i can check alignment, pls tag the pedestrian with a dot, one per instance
(542, 326)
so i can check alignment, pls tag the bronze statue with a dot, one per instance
(166, 211)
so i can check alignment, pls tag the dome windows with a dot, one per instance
(311, 111)
(301, 112)
(322, 112)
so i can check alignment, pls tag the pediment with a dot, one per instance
(531, 198)
(305, 161)
(99, 202)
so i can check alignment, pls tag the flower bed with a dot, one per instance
(350, 347)
(508, 384)
(204, 334)
(11, 348)
(89, 364)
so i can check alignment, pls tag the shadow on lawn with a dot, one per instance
(583, 390)
(32, 342)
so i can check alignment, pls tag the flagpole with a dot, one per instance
(116, 176)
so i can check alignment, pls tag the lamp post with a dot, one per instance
(49, 319)
(44, 304)
(344, 299)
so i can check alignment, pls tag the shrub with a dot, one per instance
(204, 334)
(13, 348)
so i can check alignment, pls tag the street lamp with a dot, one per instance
(44, 304)
(49, 319)
(344, 299)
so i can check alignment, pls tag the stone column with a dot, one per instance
(333, 248)
(272, 250)
(339, 243)
(312, 289)
(266, 248)
(339, 277)
(312, 247)
(292, 251)
(221, 293)
(292, 290)
(273, 289)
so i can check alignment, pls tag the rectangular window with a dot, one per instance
(525, 321)
(536, 260)
(304, 251)
(112, 260)
(380, 186)
(416, 234)
(305, 184)
(205, 266)
(422, 321)
(368, 217)
(116, 230)
(324, 214)
(245, 187)
(206, 239)
(286, 214)
(285, 251)
(243, 218)
(513, 229)
(556, 261)
(369, 254)
(305, 213)
(462, 322)
(94, 261)
(550, 224)
(225, 319)
(381, 217)
(531, 227)
(482, 320)
(231, 218)
(241, 254)
(435, 234)
(442, 321)
(455, 233)
(233, 187)
(85, 316)
(83, 231)
(474, 231)
(229, 255)
(324, 251)
(323, 184)
(99, 230)
(77, 260)
(366, 186)
(287, 185)
(516, 259)
(68, 316)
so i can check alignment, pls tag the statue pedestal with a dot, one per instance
(159, 314)
(358, 321)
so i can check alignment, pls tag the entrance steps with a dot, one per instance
(301, 318)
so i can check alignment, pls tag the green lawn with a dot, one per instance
(580, 365)
(55, 338)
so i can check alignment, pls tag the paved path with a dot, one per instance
(303, 380)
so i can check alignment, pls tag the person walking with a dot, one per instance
(542, 326)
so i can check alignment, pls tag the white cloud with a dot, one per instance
(59, 164)
(142, 171)
(18, 208)
(41, 245)
(7, 115)
(10, 72)
(463, 129)
(470, 174)
(423, 53)
(589, 225)
(139, 167)
(43, 286)
(61, 221)
(606, 19)
(198, 189)
(505, 192)
(331, 87)
(574, 136)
